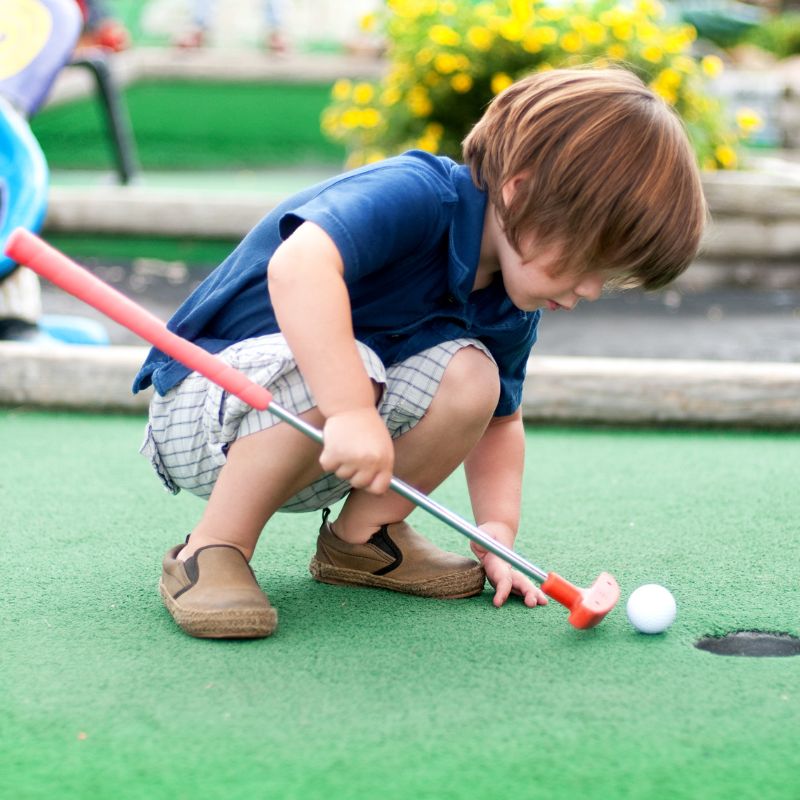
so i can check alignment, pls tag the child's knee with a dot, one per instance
(471, 385)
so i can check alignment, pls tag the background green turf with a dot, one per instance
(211, 125)
(368, 694)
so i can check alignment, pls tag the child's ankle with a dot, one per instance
(197, 541)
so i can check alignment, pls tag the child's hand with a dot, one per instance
(503, 577)
(357, 448)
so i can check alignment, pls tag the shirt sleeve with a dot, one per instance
(379, 214)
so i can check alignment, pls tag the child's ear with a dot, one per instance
(510, 187)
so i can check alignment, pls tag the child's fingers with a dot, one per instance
(502, 590)
(531, 594)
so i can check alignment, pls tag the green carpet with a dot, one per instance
(365, 694)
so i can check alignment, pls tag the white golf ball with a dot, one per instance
(651, 608)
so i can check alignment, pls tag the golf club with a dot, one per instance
(587, 606)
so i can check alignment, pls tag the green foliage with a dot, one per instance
(448, 59)
(779, 35)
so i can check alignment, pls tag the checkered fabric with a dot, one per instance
(191, 427)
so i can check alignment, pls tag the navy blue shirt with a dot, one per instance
(409, 233)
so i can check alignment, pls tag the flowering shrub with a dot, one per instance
(448, 59)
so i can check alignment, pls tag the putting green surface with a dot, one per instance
(364, 693)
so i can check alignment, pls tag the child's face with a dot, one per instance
(536, 282)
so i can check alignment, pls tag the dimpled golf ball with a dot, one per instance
(651, 608)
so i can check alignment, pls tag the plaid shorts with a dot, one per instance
(191, 427)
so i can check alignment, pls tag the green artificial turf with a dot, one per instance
(196, 125)
(364, 694)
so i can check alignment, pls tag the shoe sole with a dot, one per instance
(226, 624)
(450, 587)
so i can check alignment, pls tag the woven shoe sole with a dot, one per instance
(466, 583)
(223, 624)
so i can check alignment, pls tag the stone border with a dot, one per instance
(557, 389)
(753, 215)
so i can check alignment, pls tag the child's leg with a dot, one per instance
(262, 472)
(437, 405)
(428, 453)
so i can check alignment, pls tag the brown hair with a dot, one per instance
(608, 171)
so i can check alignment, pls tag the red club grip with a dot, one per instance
(30, 250)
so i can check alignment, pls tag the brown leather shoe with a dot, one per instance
(214, 595)
(396, 558)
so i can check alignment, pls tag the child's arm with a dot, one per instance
(494, 476)
(312, 307)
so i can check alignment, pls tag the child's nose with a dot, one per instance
(590, 288)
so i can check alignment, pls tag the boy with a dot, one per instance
(400, 305)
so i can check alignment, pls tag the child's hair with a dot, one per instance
(609, 173)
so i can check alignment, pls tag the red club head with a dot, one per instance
(587, 606)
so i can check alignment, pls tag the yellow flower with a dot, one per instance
(330, 122)
(363, 93)
(445, 63)
(712, 66)
(500, 81)
(461, 83)
(748, 120)
(623, 31)
(427, 143)
(531, 43)
(368, 22)
(419, 103)
(370, 118)
(650, 8)
(571, 42)
(617, 52)
(434, 130)
(652, 53)
(511, 30)
(552, 13)
(480, 38)
(684, 64)
(675, 42)
(424, 56)
(666, 93)
(351, 118)
(594, 33)
(546, 34)
(726, 156)
(521, 10)
(390, 96)
(448, 8)
(669, 77)
(647, 33)
(444, 36)
(341, 89)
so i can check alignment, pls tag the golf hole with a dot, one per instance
(756, 644)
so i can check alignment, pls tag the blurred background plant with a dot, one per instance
(779, 35)
(446, 60)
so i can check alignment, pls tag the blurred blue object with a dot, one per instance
(73, 330)
(24, 179)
